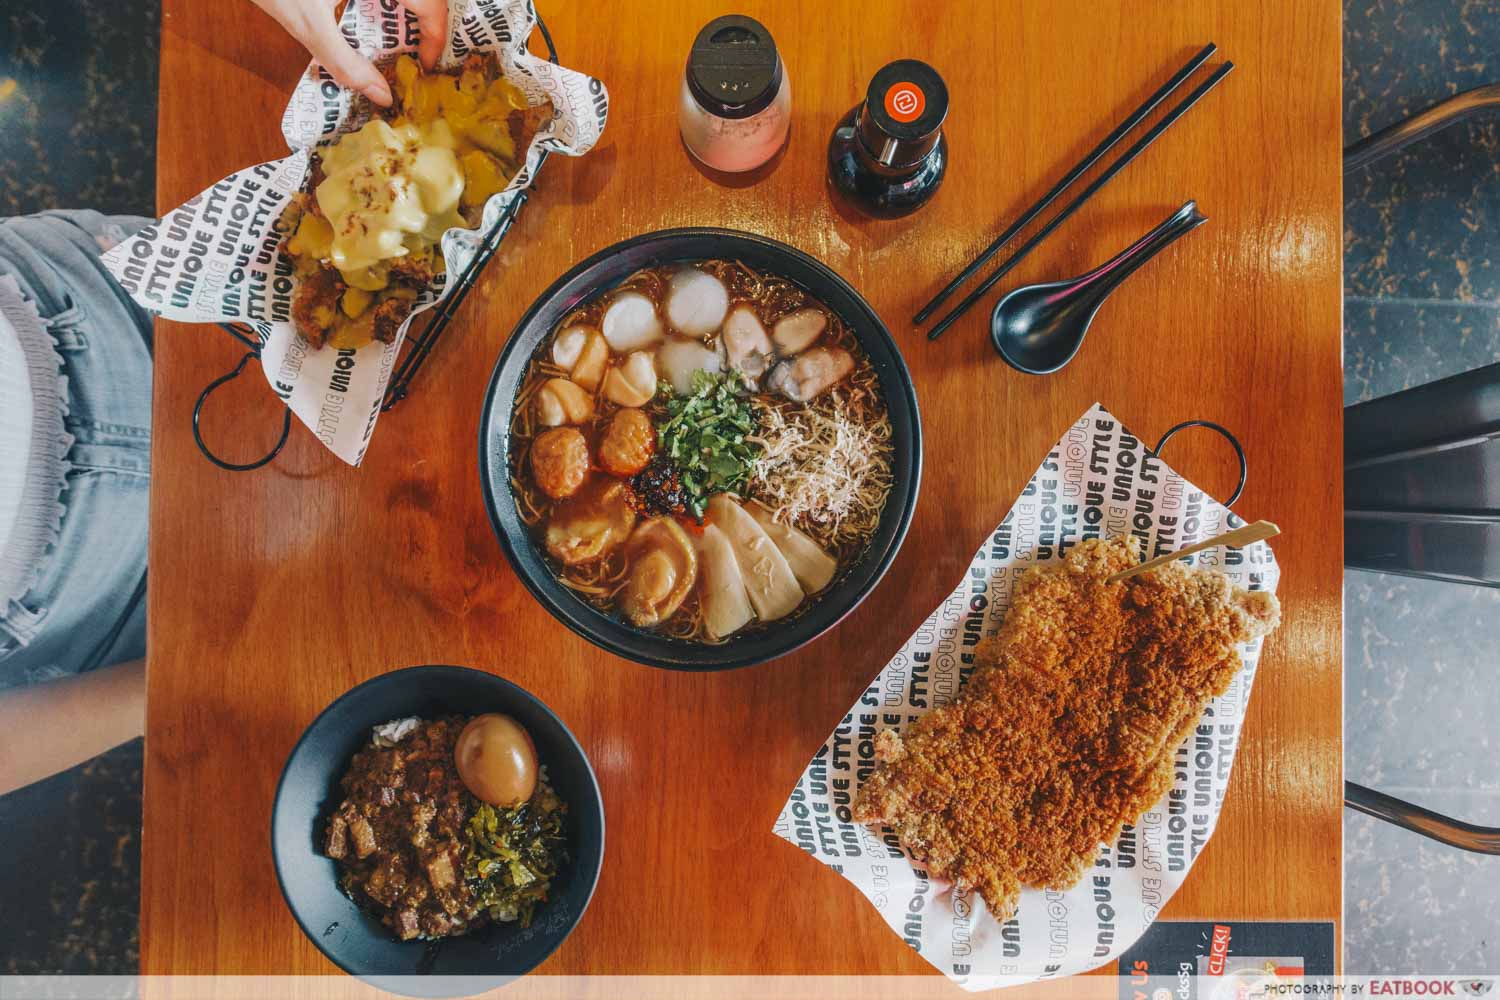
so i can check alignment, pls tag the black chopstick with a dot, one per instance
(1073, 206)
(1136, 117)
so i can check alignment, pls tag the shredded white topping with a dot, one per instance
(388, 734)
(819, 465)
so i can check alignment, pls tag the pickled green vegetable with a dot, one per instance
(514, 854)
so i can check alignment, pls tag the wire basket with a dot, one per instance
(416, 348)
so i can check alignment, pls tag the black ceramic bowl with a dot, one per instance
(597, 275)
(308, 792)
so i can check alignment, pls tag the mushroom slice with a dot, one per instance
(721, 590)
(590, 524)
(680, 360)
(802, 378)
(769, 581)
(593, 356)
(795, 332)
(663, 569)
(747, 348)
(630, 323)
(813, 567)
(634, 382)
(560, 401)
(696, 302)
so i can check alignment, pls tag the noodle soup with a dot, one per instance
(701, 451)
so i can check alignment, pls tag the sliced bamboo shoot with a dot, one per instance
(721, 586)
(769, 581)
(813, 567)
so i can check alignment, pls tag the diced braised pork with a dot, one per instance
(338, 837)
(406, 924)
(364, 836)
(440, 871)
(401, 827)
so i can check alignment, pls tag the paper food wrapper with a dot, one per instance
(1098, 481)
(217, 258)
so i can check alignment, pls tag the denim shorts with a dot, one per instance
(86, 608)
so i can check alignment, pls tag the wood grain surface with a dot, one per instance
(273, 592)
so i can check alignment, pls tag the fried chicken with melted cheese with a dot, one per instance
(1067, 727)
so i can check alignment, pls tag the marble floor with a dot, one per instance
(1422, 285)
(1421, 302)
(77, 130)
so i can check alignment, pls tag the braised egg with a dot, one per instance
(496, 760)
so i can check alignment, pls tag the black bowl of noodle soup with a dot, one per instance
(700, 449)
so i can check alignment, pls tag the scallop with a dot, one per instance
(806, 376)
(630, 323)
(813, 568)
(679, 360)
(747, 348)
(721, 586)
(632, 383)
(663, 569)
(593, 356)
(568, 345)
(769, 581)
(560, 401)
(795, 333)
(696, 302)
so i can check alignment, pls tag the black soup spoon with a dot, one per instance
(1038, 328)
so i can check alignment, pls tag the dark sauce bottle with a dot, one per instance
(887, 156)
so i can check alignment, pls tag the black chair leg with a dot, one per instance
(1420, 125)
(1443, 829)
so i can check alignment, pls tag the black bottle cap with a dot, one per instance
(902, 117)
(733, 69)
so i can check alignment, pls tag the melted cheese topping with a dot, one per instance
(385, 182)
(392, 188)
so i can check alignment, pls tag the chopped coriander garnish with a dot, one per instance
(705, 437)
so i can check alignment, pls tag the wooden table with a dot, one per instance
(275, 591)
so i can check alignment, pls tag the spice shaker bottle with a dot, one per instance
(735, 107)
(888, 155)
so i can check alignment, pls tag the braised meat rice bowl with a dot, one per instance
(446, 826)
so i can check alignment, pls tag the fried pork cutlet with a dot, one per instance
(1066, 729)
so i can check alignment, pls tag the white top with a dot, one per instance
(33, 442)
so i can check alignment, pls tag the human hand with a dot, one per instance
(312, 23)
